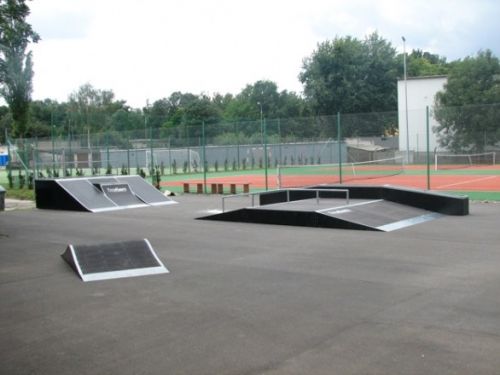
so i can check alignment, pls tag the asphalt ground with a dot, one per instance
(251, 298)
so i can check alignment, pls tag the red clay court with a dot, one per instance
(473, 179)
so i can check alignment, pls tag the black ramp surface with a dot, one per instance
(146, 192)
(121, 194)
(87, 194)
(114, 257)
(113, 260)
(381, 214)
(360, 214)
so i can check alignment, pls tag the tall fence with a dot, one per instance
(160, 149)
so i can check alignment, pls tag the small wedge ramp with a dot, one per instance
(114, 260)
(368, 208)
(97, 194)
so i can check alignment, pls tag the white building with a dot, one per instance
(421, 92)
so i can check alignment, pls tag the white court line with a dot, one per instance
(348, 205)
(466, 182)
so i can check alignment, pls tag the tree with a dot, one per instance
(352, 76)
(16, 66)
(349, 75)
(422, 63)
(467, 110)
(91, 109)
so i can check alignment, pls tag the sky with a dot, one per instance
(144, 50)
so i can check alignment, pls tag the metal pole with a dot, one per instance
(128, 155)
(265, 154)
(108, 163)
(169, 156)
(152, 151)
(71, 156)
(53, 149)
(406, 102)
(35, 158)
(279, 141)
(428, 146)
(204, 156)
(9, 156)
(237, 144)
(339, 144)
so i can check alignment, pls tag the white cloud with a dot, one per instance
(146, 49)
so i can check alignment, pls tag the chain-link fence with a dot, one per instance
(164, 151)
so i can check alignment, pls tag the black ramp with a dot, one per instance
(97, 194)
(87, 194)
(382, 215)
(121, 194)
(145, 191)
(359, 214)
(113, 260)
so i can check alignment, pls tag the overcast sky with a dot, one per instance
(146, 49)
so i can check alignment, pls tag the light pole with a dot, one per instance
(406, 102)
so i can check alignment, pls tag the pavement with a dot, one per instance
(251, 298)
(17, 204)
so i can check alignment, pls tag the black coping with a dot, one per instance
(428, 200)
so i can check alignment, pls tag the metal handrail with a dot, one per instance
(252, 195)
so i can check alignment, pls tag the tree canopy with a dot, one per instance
(350, 76)
(16, 66)
(468, 109)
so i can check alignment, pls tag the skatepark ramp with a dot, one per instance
(97, 194)
(367, 208)
(113, 260)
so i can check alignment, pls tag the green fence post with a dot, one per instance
(128, 155)
(152, 170)
(71, 158)
(204, 157)
(169, 155)
(53, 150)
(339, 145)
(9, 156)
(279, 142)
(428, 146)
(109, 170)
(265, 153)
(35, 159)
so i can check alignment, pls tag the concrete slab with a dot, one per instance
(249, 298)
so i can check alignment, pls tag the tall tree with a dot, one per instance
(16, 66)
(421, 63)
(91, 108)
(467, 110)
(352, 76)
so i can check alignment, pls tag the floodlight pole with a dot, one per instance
(406, 102)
